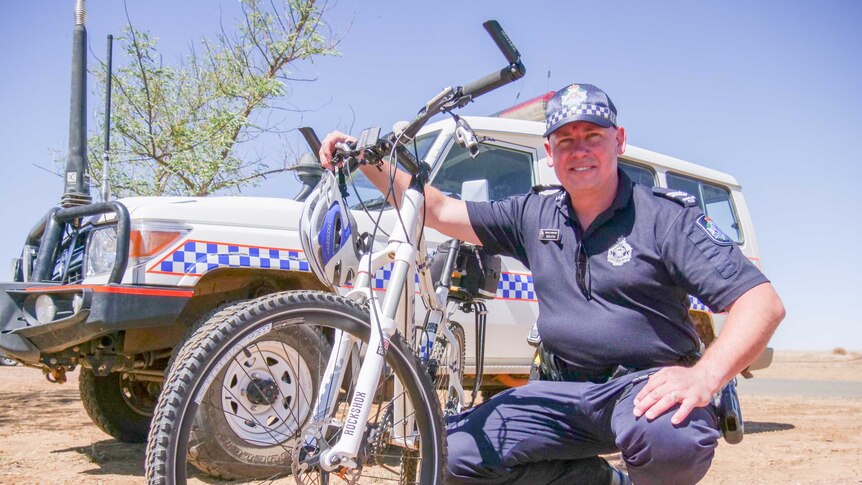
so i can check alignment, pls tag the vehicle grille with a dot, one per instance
(69, 265)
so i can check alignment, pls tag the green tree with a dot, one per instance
(176, 129)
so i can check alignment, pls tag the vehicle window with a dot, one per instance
(713, 200)
(638, 174)
(718, 207)
(362, 191)
(508, 171)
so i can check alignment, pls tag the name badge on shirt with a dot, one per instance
(549, 234)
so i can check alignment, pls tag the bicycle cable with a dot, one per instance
(391, 191)
(362, 202)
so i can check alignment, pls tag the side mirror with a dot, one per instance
(475, 190)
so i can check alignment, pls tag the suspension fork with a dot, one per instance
(386, 317)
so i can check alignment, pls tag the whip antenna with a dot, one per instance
(106, 188)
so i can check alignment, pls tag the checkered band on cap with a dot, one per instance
(579, 102)
(584, 109)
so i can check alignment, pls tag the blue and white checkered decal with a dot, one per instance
(582, 109)
(514, 286)
(382, 277)
(197, 257)
(695, 304)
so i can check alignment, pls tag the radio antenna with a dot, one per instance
(106, 188)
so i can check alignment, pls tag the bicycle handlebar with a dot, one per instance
(514, 71)
(493, 81)
(450, 99)
(504, 43)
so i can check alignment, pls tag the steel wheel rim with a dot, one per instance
(277, 371)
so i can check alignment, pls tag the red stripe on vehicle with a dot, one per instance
(123, 290)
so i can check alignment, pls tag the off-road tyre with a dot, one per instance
(118, 406)
(216, 449)
(306, 314)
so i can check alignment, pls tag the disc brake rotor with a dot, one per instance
(307, 450)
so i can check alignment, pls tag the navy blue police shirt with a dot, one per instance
(637, 264)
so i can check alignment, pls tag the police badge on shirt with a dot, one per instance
(714, 244)
(713, 231)
(620, 253)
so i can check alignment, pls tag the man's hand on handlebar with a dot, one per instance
(328, 148)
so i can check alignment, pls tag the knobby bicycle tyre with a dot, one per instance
(306, 319)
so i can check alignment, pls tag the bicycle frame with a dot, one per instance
(406, 250)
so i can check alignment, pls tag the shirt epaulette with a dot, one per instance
(682, 198)
(539, 189)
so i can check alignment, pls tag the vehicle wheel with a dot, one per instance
(248, 403)
(384, 456)
(121, 407)
(212, 378)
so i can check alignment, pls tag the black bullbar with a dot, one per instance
(46, 318)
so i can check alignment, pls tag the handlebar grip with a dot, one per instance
(312, 140)
(504, 43)
(494, 80)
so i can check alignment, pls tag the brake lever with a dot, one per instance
(465, 136)
(365, 151)
(345, 153)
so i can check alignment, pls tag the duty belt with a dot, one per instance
(547, 366)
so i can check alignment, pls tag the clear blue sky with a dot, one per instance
(767, 91)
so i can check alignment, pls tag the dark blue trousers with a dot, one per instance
(550, 432)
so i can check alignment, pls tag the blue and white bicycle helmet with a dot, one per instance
(328, 233)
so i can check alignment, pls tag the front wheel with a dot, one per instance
(118, 405)
(242, 390)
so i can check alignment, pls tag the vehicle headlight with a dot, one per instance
(146, 240)
(101, 251)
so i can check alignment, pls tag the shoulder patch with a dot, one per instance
(713, 231)
(546, 189)
(682, 198)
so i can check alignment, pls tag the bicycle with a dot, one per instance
(372, 404)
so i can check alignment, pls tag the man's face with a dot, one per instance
(584, 156)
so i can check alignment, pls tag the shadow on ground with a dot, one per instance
(112, 457)
(56, 402)
(752, 427)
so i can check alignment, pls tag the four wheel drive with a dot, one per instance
(114, 287)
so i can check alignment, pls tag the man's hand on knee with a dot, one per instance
(688, 387)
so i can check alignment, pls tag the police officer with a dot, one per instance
(613, 264)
